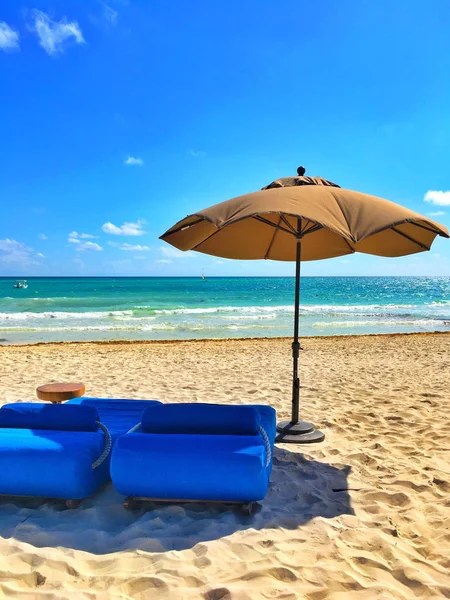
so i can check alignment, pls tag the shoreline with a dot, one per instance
(219, 340)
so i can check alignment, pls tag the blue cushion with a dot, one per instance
(57, 463)
(190, 467)
(52, 464)
(61, 417)
(203, 467)
(212, 419)
(118, 414)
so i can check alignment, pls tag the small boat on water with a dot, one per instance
(203, 277)
(21, 284)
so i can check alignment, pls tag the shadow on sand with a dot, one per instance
(301, 489)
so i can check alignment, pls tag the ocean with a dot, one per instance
(150, 308)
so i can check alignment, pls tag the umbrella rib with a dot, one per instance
(352, 250)
(206, 239)
(178, 229)
(267, 222)
(411, 239)
(256, 217)
(286, 222)
(426, 228)
(275, 231)
(315, 227)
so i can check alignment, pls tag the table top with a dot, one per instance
(59, 392)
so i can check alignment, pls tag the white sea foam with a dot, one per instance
(376, 323)
(227, 312)
(249, 317)
(27, 316)
(288, 309)
(224, 309)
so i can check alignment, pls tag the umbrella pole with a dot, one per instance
(296, 342)
(295, 431)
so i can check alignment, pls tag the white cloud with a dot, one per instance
(134, 247)
(74, 236)
(133, 161)
(40, 255)
(89, 246)
(9, 38)
(437, 213)
(16, 254)
(42, 236)
(110, 15)
(164, 261)
(197, 153)
(438, 197)
(174, 253)
(54, 35)
(132, 229)
(130, 247)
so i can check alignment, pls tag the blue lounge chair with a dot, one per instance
(62, 451)
(196, 452)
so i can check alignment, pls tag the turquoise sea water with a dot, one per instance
(67, 309)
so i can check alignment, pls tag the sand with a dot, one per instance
(363, 515)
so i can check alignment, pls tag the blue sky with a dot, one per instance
(118, 118)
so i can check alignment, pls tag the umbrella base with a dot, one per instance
(298, 433)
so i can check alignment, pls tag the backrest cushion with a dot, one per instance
(36, 415)
(199, 418)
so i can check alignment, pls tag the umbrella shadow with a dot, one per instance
(301, 489)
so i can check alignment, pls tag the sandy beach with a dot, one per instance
(363, 515)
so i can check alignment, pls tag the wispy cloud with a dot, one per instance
(197, 153)
(438, 197)
(54, 35)
(109, 14)
(9, 38)
(89, 246)
(164, 261)
(134, 161)
(74, 236)
(134, 248)
(437, 213)
(17, 254)
(132, 229)
(42, 236)
(170, 252)
(130, 247)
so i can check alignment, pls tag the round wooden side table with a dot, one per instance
(60, 392)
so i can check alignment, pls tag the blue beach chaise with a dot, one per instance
(62, 450)
(203, 452)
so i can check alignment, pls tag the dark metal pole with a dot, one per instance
(296, 343)
(296, 431)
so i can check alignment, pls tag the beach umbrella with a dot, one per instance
(297, 219)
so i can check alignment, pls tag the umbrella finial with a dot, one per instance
(301, 171)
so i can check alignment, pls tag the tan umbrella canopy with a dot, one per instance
(303, 218)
